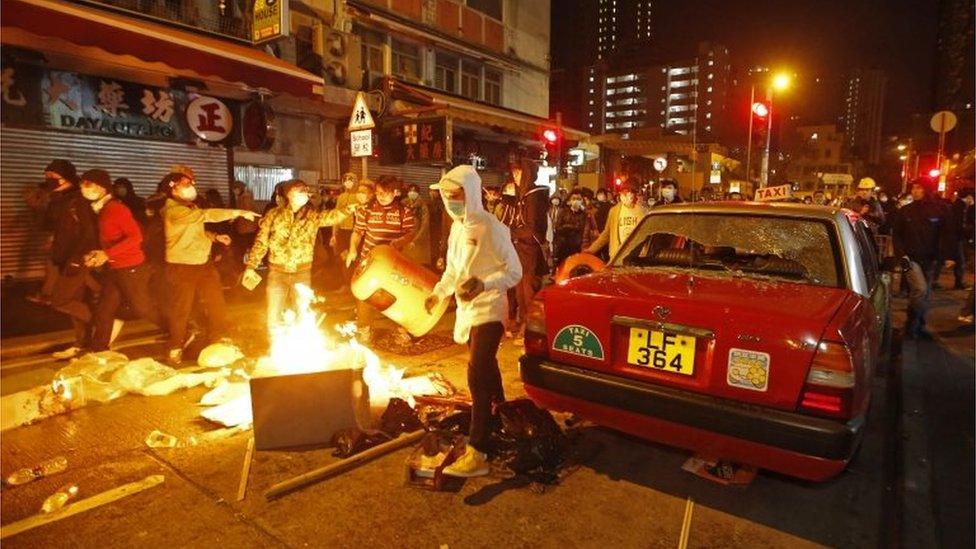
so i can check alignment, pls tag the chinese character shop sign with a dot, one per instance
(209, 118)
(421, 141)
(361, 143)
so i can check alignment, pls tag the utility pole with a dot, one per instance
(752, 101)
(764, 174)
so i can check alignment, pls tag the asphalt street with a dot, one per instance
(912, 478)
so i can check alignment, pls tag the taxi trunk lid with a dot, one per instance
(753, 340)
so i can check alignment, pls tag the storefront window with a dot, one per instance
(493, 87)
(470, 80)
(446, 72)
(406, 61)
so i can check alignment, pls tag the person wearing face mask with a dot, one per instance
(49, 200)
(189, 272)
(507, 206)
(286, 235)
(570, 226)
(75, 226)
(669, 193)
(418, 249)
(123, 190)
(529, 234)
(621, 220)
(601, 210)
(127, 276)
(384, 220)
(481, 266)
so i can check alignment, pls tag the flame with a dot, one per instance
(62, 389)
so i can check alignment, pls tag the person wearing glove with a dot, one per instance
(287, 236)
(383, 220)
(189, 271)
(481, 266)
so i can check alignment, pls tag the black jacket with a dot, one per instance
(76, 232)
(532, 221)
(922, 231)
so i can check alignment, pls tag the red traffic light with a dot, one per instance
(760, 109)
(550, 135)
(618, 182)
(935, 172)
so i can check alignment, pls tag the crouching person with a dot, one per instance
(481, 266)
(287, 236)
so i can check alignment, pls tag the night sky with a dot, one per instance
(816, 38)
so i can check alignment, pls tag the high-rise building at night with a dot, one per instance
(622, 25)
(863, 114)
(683, 97)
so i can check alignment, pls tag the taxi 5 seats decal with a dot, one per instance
(578, 340)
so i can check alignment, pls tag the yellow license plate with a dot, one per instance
(663, 351)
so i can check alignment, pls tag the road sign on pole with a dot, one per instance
(361, 143)
(361, 118)
(942, 122)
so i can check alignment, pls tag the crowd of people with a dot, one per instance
(172, 255)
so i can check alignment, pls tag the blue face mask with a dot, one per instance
(455, 208)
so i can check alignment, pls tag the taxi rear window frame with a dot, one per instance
(842, 282)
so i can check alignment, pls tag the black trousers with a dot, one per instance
(186, 284)
(484, 380)
(131, 284)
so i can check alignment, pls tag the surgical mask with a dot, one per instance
(554, 201)
(883, 199)
(187, 193)
(455, 208)
(667, 194)
(413, 195)
(601, 197)
(362, 198)
(576, 205)
(348, 184)
(92, 193)
(509, 191)
(298, 200)
(384, 201)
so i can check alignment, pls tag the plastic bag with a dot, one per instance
(218, 355)
(351, 441)
(530, 441)
(399, 418)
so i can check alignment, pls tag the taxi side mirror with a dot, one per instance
(891, 264)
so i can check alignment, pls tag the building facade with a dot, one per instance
(864, 114)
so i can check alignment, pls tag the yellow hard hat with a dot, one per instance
(866, 183)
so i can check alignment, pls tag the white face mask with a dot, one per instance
(92, 193)
(667, 194)
(413, 195)
(384, 201)
(348, 184)
(455, 208)
(509, 191)
(576, 205)
(187, 193)
(297, 200)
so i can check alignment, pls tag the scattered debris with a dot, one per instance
(80, 506)
(425, 467)
(342, 466)
(723, 472)
(57, 500)
(530, 441)
(159, 439)
(219, 355)
(248, 455)
(44, 469)
(351, 441)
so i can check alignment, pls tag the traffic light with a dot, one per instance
(340, 52)
(552, 140)
(760, 109)
(934, 173)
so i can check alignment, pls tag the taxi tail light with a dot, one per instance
(535, 329)
(829, 387)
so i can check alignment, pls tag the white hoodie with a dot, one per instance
(479, 246)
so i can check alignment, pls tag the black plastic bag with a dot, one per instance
(530, 442)
(399, 418)
(351, 441)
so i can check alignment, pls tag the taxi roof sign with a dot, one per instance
(772, 194)
(361, 118)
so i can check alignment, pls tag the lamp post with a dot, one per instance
(780, 82)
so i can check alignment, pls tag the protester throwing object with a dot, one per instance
(481, 266)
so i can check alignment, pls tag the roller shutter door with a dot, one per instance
(25, 153)
(423, 176)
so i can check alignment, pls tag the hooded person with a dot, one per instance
(123, 190)
(481, 266)
(287, 236)
(621, 220)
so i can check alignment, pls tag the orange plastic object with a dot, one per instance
(578, 264)
(398, 287)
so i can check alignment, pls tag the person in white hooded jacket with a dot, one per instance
(481, 266)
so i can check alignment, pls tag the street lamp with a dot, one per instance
(902, 147)
(780, 82)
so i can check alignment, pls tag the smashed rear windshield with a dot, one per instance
(799, 250)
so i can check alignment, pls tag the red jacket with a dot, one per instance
(120, 236)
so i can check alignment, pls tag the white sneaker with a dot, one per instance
(472, 463)
(70, 352)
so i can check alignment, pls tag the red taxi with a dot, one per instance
(741, 331)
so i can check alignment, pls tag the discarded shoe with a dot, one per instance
(471, 464)
(70, 352)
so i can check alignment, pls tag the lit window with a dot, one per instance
(708, 128)
(591, 79)
(709, 76)
(710, 62)
(591, 101)
(708, 115)
(709, 89)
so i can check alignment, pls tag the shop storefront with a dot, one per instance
(137, 98)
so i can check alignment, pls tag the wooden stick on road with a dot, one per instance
(686, 524)
(242, 488)
(350, 462)
(81, 506)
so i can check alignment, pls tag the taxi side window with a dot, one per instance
(866, 249)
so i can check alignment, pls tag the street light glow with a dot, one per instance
(781, 81)
(903, 157)
(901, 147)
(760, 109)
